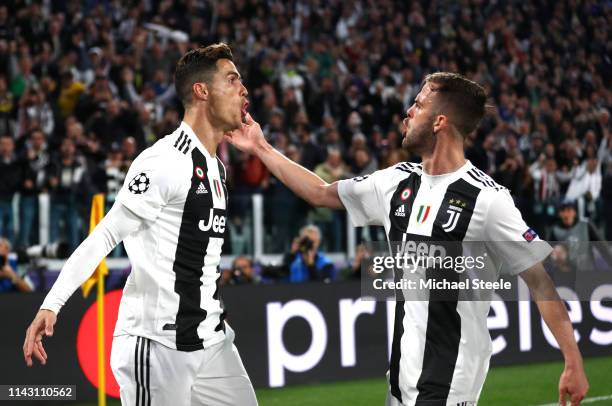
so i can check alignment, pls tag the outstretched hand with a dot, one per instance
(248, 137)
(573, 384)
(41, 326)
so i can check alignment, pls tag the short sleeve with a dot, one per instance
(515, 244)
(360, 197)
(148, 185)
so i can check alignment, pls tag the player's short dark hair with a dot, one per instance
(461, 99)
(198, 65)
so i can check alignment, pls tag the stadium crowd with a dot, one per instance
(86, 86)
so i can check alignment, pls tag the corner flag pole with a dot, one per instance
(101, 345)
(97, 213)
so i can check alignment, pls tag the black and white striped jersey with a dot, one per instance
(441, 348)
(172, 293)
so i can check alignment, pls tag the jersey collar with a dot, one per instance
(447, 178)
(189, 131)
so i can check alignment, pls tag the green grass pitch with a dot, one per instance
(522, 385)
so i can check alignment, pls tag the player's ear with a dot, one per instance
(200, 91)
(440, 122)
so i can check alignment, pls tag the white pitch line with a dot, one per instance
(585, 400)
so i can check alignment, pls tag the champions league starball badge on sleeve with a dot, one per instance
(139, 184)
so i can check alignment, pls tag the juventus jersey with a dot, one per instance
(172, 293)
(441, 348)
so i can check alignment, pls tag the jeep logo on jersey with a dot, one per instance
(420, 249)
(139, 184)
(215, 222)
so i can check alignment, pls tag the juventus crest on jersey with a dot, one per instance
(172, 293)
(441, 348)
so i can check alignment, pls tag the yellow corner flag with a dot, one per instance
(97, 213)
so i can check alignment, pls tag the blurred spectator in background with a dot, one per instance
(10, 281)
(240, 233)
(605, 158)
(306, 262)
(509, 169)
(363, 162)
(558, 265)
(68, 185)
(251, 175)
(35, 162)
(11, 175)
(286, 210)
(585, 186)
(341, 75)
(7, 124)
(483, 154)
(70, 91)
(547, 191)
(241, 272)
(129, 148)
(354, 270)
(115, 170)
(310, 152)
(113, 173)
(581, 237)
(168, 123)
(35, 112)
(323, 103)
(291, 79)
(330, 221)
(23, 78)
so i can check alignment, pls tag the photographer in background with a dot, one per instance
(9, 280)
(241, 273)
(305, 261)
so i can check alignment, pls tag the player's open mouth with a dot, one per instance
(244, 110)
(404, 126)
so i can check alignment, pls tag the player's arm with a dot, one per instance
(114, 227)
(573, 381)
(522, 251)
(300, 180)
(304, 183)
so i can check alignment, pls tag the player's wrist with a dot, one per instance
(261, 147)
(573, 359)
(47, 308)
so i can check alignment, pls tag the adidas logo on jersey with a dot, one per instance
(400, 212)
(201, 189)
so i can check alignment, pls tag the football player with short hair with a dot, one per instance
(441, 348)
(172, 345)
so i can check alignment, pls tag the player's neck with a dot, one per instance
(445, 158)
(208, 135)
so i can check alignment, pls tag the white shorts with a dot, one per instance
(393, 401)
(150, 374)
